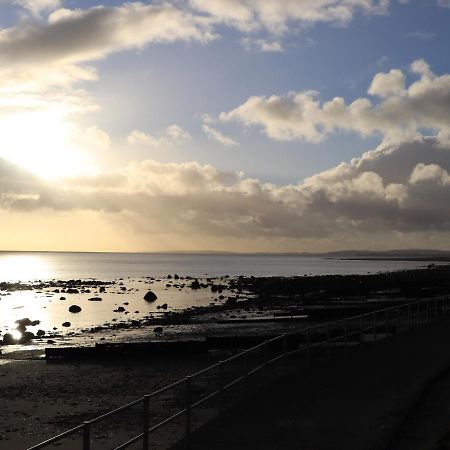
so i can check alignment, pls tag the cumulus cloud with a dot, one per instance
(277, 15)
(218, 136)
(399, 112)
(395, 188)
(172, 135)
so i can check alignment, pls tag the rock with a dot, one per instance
(176, 277)
(72, 291)
(169, 277)
(119, 309)
(195, 284)
(158, 330)
(66, 324)
(95, 299)
(62, 298)
(74, 309)
(150, 296)
(102, 289)
(164, 306)
(8, 339)
(40, 333)
(50, 341)
(27, 337)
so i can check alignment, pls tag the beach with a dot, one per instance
(45, 398)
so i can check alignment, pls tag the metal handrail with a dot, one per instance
(308, 332)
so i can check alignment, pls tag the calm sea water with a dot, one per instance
(30, 266)
(129, 271)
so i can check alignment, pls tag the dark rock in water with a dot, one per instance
(72, 291)
(164, 306)
(136, 323)
(27, 337)
(40, 333)
(50, 341)
(150, 296)
(158, 330)
(195, 284)
(169, 277)
(74, 309)
(176, 277)
(8, 339)
(62, 298)
(119, 309)
(66, 324)
(102, 289)
(95, 299)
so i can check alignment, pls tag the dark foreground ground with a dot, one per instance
(360, 401)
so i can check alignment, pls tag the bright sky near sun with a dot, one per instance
(246, 125)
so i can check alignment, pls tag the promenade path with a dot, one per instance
(356, 401)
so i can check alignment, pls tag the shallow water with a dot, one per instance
(132, 270)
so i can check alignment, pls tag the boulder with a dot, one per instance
(40, 333)
(95, 299)
(195, 284)
(74, 309)
(8, 339)
(66, 324)
(150, 296)
(158, 330)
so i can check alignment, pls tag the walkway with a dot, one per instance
(355, 402)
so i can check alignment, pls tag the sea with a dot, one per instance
(32, 266)
(133, 274)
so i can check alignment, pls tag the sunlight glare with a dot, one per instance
(43, 142)
(23, 268)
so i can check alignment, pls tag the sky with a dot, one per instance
(228, 125)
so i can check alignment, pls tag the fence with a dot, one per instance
(241, 368)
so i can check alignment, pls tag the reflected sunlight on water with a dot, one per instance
(24, 268)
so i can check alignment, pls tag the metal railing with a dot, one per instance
(237, 370)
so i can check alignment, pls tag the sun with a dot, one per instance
(44, 142)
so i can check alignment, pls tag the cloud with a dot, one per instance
(444, 3)
(172, 135)
(276, 16)
(423, 35)
(218, 136)
(398, 113)
(36, 7)
(262, 45)
(395, 190)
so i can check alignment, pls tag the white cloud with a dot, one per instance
(218, 136)
(277, 15)
(401, 112)
(36, 7)
(262, 45)
(172, 135)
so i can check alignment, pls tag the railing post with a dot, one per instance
(266, 365)
(145, 427)
(361, 331)
(328, 341)
(308, 338)
(188, 395)
(374, 326)
(221, 384)
(86, 435)
(398, 319)
(345, 334)
(386, 324)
